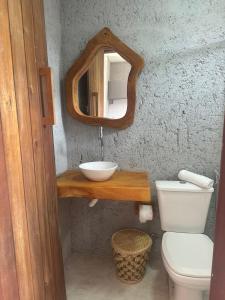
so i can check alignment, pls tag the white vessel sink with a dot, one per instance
(98, 170)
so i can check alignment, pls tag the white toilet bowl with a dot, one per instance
(187, 259)
(186, 252)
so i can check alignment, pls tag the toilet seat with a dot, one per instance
(188, 255)
(198, 283)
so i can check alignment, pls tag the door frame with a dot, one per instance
(217, 291)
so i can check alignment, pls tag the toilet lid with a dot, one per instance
(188, 254)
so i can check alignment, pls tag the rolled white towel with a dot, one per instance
(200, 180)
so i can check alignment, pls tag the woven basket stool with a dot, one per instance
(131, 249)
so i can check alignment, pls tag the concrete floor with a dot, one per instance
(93, 277)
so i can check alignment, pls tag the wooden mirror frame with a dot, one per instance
(104, 39)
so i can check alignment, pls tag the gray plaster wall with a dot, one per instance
(180, 101)
(53, 36)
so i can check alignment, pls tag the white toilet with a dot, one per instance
(186, 252)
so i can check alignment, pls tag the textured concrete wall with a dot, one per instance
(180, 99)
(53, 36)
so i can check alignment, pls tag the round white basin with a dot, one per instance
(98, 170)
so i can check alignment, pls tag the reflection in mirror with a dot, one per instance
(102, 90)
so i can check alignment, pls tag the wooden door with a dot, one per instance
(96, 85)
(30, 254)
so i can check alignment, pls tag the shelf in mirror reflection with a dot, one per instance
(102, 90)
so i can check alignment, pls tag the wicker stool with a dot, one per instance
(131, 249)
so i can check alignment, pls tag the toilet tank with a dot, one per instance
(183, 206)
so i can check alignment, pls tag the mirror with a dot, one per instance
(101, 84)
(102, 90)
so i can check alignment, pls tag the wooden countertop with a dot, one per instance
(122, 186)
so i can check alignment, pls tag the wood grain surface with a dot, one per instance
(103, 40)
(122, 186)
(30, 253)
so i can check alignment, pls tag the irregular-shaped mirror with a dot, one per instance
(101, 84)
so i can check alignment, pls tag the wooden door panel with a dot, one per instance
(41, 58)
(25, 131)
(8, 281)
(38, 141)
(11, 142)
(96, 85)
(33, 268)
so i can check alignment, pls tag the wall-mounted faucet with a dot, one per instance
(101, 142)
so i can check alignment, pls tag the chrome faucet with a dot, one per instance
(101, 142)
